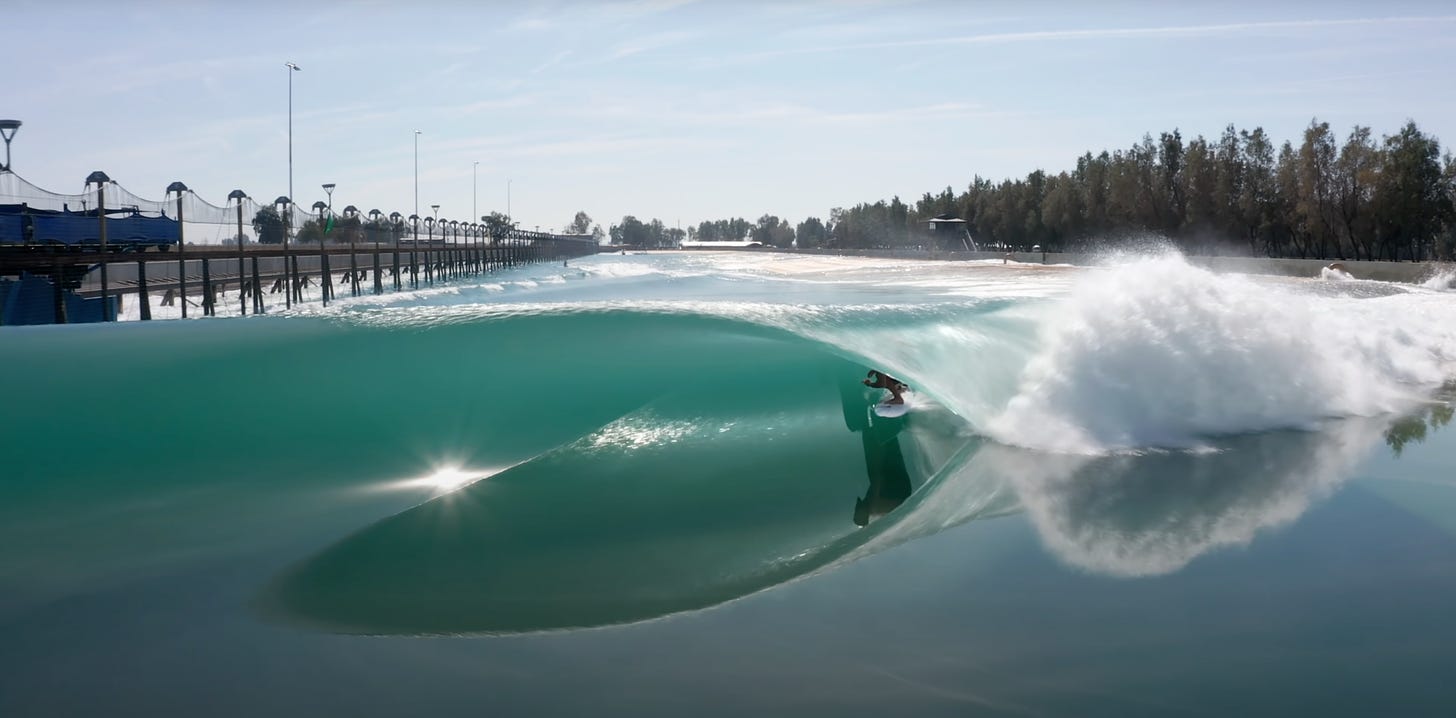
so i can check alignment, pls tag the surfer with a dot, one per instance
(880, 380)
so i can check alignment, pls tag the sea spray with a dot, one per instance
(1442, 281)
(1158, 353)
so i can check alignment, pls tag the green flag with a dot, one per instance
(329, 227)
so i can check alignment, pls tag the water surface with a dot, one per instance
(653, 485)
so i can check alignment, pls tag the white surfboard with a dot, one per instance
(891, 411)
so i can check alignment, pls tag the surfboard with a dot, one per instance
(891, 411)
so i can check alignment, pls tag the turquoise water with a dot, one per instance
(652, 485)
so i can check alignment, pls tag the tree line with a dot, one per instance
(348, 227)
(1354, 197)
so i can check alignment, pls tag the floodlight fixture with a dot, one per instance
(7, 131)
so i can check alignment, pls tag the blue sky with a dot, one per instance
(681, 110)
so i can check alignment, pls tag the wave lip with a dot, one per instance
(1158, 353)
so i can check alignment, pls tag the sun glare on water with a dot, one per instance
(442, 480)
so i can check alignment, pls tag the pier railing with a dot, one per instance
(94, 248)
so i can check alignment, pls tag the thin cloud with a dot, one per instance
(641, 8)
(649, 43)
(531, 24)
(1175, 31)
(789, 113)
(555, 60)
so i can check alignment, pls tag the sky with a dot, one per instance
(680, 110)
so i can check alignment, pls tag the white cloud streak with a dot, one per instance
(1163, 32)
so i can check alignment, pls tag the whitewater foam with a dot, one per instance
(1443, 282)
(1158, 353)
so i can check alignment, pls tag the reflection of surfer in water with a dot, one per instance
(885, 465)
(889, 477)
(880, 380)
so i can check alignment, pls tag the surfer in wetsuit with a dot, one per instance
(880, 380)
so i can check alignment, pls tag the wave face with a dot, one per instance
(633, 437)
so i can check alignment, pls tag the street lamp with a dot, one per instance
(436, 209)
(100, 179)
(324, 283)
(238, 196)
(472, 231)
(417, 179)
(328, 190)
(181, 189)
(429, 240)
(318, 209)
(374, 215)
(7, 130)
(350, 213)
(414, 273)
(474, 186)
(286, 214)
(292, 68)
(396, 224)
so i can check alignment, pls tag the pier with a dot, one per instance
(201, 273)
(77, 258)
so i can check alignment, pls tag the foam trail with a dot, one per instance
(1158, 353)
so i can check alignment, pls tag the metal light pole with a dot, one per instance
(286, 214)
(239, 196)
(508, 199)
(429, 258)
(326, 287)
(396, 228)
(414, 271)
(328, 190)
(318, 208)
(474, 186)
(429, 240)
(454, 247)
(292, 68)
(351, 212)
(181, 189)
(100, 179)
(374, 232)
(7, 131)
(417, 181)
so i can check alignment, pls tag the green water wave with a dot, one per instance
(144, 447)
(668, 509)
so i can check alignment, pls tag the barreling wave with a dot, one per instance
(637, 456)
